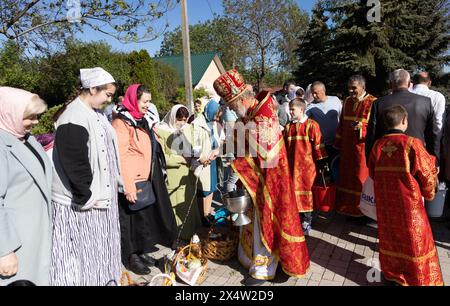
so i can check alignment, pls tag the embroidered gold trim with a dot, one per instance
(262, 277)
(260, 104)
(262, 152)
(407, 257)
(297, 275)
(354, 118)
(286, 236)
(392, 169)
(303, 193)
(298, 138)
(402, 283)
(255, 206)
(349, 191)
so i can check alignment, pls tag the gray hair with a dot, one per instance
(359, 79)
(399, 77)
(318, 84)
(248, 93)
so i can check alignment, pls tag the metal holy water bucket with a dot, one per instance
(238, 202)
(435, 208)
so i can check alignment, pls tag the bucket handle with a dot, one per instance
(323, 178)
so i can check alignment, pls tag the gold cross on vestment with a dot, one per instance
(389, 148)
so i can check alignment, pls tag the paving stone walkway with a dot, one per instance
(342, 253)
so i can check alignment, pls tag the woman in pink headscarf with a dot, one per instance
(25, 191)
(143, 224)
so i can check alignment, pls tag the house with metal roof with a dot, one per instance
(206, 68)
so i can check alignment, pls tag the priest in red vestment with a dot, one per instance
(350, 141)
(305, 148)
(275, 234)
(403, 173)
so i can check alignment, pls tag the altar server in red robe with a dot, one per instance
(275, 234)
(305, 148)
(403, 173)
(350, 141)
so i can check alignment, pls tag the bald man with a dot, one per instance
(325, 110)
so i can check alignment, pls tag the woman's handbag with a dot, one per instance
(145, 196)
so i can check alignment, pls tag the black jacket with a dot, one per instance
(420, 120)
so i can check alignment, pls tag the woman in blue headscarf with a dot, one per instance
(208, 136)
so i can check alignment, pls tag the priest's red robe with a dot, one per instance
(265, 175)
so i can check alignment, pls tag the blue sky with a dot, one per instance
(198, 11)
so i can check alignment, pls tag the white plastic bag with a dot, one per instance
(188, 276)
(367, 204)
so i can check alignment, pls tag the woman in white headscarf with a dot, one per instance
(25, 191)
(86, 237)
(174, 135)
(308, 94)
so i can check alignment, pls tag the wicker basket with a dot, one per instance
(222, 248)
(126, 280)
(168, 280)
(183, 253)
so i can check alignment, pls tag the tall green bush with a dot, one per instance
(46, 124)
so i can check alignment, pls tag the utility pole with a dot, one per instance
(187, 57)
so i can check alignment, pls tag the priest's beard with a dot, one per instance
(240, 111)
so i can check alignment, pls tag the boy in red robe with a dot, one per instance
(305, 148)
(403, 173)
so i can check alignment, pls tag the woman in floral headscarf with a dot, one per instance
(175, 137)
(25, 191)
(141, 160)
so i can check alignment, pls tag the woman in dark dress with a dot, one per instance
(141, 159)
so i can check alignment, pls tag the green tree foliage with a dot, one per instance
(46, 123)
(412, 34)
(167, 84)
(62, 69)
(145, 71)
(209, 36)
(15, 69)
(56, 78)
(313, 51)
(293, 29)
(198, 93)
(40, 25)
(264, 24)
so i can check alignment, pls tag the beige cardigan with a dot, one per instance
(201, 138)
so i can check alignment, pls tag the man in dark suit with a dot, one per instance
(420, 114)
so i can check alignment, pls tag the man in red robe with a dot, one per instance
(403, 173)
(305, 148)
(350, 141)
(275, 234)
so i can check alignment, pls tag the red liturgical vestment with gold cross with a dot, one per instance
(403, 173)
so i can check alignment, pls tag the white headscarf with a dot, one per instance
(169, 122)
(93, 77)
(13, 102)
(308, 95)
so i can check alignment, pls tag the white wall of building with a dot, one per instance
(207, 81)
